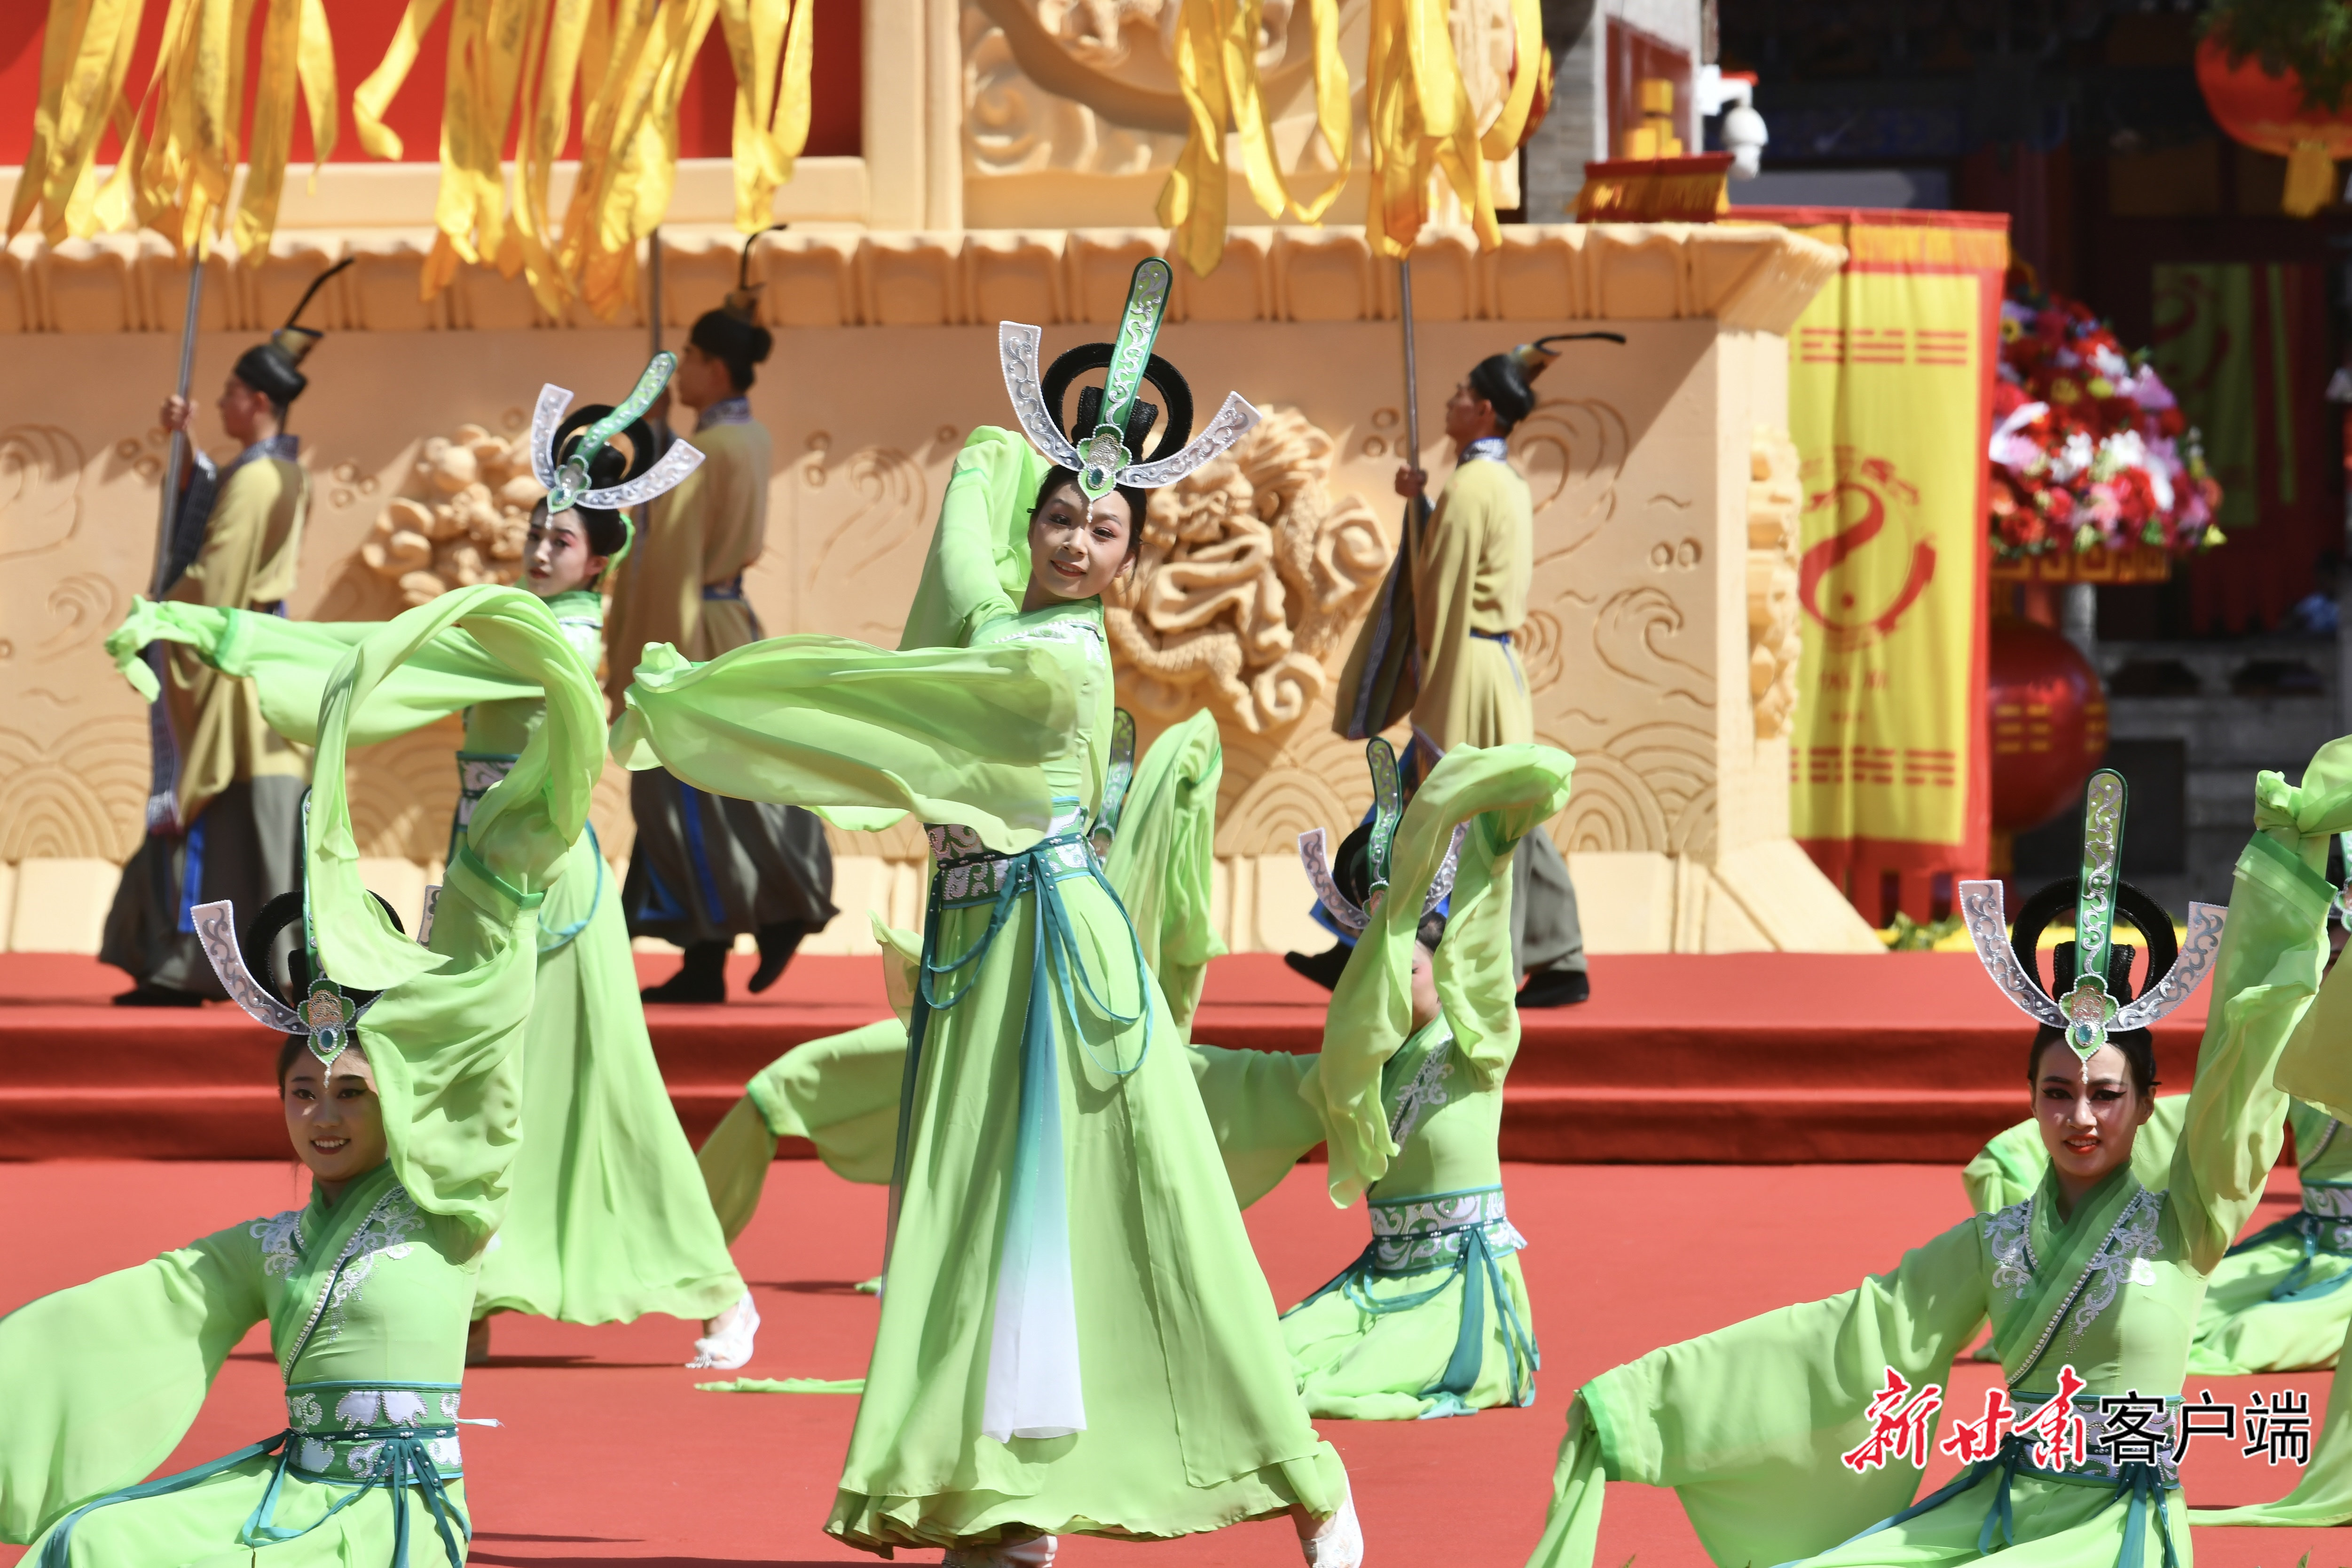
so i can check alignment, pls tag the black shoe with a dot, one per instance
(701, 978)
(145, 995)
(777, 944)
(1323, 968)
(1556, 988)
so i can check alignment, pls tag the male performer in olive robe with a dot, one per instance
(223, 819)
(1437, 646)
(706, 867)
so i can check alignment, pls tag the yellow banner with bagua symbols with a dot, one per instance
(1890, 404)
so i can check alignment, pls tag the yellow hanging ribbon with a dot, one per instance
(1217, 75)
(1422, 121)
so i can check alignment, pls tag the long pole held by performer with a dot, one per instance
(1411, 387)
(177, 463)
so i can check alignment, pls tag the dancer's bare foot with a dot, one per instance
(726, 1342)
(1334, 1543)
(478, 1341)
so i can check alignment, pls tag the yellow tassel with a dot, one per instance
(373, 96)
(2310, 179)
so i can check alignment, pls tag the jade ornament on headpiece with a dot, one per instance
(2089, 1013)
(565, 474)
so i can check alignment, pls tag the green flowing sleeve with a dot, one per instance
(445, 1037)
(1162, 862)
(2010, 1166)
(100, 1381)
(952, 734)
(1505, 793)
(289, 663)
(1747, 1424)
(979, 563)
(2273, 954)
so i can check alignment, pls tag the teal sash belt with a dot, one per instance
(2141, 1488)
(478, 772)
(1035, 1327)
(397, 1436)
(2322, 1227)
(1466, 1234)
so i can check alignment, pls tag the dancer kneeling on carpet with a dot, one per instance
(1787, 1437)
(2279, 1301)
(401, 1080)
(1432, 1319)
(1074, 1335)
(608, 1219)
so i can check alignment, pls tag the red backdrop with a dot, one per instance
(362, 29)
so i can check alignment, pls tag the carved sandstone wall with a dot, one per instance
(1656, 651)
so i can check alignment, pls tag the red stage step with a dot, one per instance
(1742, 1059)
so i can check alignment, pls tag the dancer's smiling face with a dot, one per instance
(2089, 1114)
(557, 559)
(1076, 551)
(334, 1117)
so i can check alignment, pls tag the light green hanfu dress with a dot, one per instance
(842, 1092)
(2279, 1301)
(1432, 1319)
(1074, 1336)
(367, 1299)
(1748, 1424)
(608, 1219)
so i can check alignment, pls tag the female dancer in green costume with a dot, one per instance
(2096, 1271)
(608, 1219)
(2279, 1301)
(366, 1288)
(1433, 1318)
(1074, 1335)
(841, 1093)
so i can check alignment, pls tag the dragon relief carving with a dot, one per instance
(1775, 501)
(460, 518)
(1250, 575)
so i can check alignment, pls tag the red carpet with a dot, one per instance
(608, 1455)
(1737, 1058)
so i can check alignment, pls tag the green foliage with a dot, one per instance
(1908, 935)
(2312, 38)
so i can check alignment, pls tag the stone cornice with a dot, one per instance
(1752, 278)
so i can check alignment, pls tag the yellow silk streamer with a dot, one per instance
(273, 128)
(181, 144)
(1421, 121)
(373, 96)
(1217, 75)
(85, 54)
(1530, 61)
(771, 115)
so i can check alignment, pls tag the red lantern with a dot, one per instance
(2266, 113)
(2049, 718)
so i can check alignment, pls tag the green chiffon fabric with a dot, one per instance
(842, 1092)
(1747, 1424)
(608, 1218)
(1190, 1420)
(2281, 1300)
(1384, 1340)
(367, 1299)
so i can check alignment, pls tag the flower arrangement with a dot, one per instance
(2089, 450)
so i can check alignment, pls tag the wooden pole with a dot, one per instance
(177, 463)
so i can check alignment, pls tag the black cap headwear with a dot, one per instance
(1507, 381)
(733, 333)
(2089, 998)
(274, 368)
